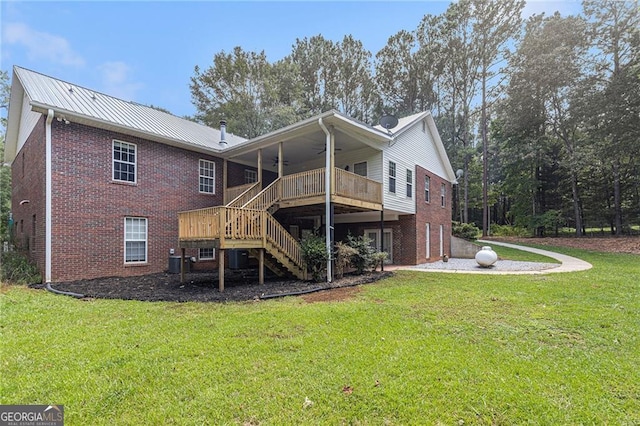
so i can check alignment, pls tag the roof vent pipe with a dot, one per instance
(223, 132)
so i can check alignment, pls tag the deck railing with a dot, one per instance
(266, 198)
(233, 192)
(206, 224)
(358, 187)
(304, 184)
(243, 193)
(202, 224)
(279, 237)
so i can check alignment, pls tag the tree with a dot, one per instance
(613, 105)
(234, 88)
(5, 171)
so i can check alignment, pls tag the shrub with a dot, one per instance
(363, 259)
(314, 255)
(468, 231)
(378, 259)
(16, 268)
(509, 231)
(343, 254)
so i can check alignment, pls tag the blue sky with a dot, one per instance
(146, 51)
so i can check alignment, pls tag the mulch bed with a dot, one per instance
(240, 285)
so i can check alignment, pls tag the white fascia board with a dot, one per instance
(13, 121)
(451, 176)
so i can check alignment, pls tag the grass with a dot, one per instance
(419, 348)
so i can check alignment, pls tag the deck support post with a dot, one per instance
(221, 271)
(382, 237)
(182, 258)
(261, 266)
(280, 161)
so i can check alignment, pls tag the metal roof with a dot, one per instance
(47, 92)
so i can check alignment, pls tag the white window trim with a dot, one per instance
(146, 241)
(366, 166)
(427, 189)
(207, 258)
(443, 195)
(428, 243)
(200, 176)
(135, 163)
(250, 176)
(409, 186)
(394, 177)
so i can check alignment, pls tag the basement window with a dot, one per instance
(135, 240)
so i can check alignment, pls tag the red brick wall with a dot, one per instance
(28, 183)
(89, 207)
(432, 212)
(409, 231)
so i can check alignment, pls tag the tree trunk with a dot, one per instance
(576, 204)
(617, 208)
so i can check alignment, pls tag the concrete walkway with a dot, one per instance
(568, 263)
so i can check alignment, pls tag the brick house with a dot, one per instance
(106, 187)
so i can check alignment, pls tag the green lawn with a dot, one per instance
(419, 348)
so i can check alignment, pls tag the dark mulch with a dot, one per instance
(240, 285)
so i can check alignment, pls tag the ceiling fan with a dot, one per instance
(324, 149)
(276, 160)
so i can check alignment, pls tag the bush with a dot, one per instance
(16, 268)
(314, 255)
(364, 257)
(509, 231)
(343, 254)
(468, 231)
(378, 259)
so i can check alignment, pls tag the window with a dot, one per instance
(443, 194)
(124, 161)
(428, 239)
(207, 253)
(409, 183)
(392, 177)
(427, 182)
(424, 126)
(207, 177)
(135, 239)
(250, 176)
(360, 168)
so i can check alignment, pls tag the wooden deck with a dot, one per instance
(245, 222)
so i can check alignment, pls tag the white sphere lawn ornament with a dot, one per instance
(486, 257)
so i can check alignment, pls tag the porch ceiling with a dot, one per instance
(304, 147)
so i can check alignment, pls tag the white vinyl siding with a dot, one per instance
(135, 240)
(124, 161)
(207, 177)
(412, 148)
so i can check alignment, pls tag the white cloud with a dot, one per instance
(40, 45)
(116, 80)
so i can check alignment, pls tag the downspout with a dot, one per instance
(47, 215)
(327, 198)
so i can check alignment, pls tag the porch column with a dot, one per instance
(261, 266)
(260, 165)
(224, 182)
(327, 200)
(382, 237)
(182, 257)
(280, 160)
(221, 271)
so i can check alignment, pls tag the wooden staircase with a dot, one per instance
(283, 254)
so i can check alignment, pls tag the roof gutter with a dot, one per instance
(47, 215)
(327, 198)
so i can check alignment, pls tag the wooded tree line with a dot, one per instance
(542, 115)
